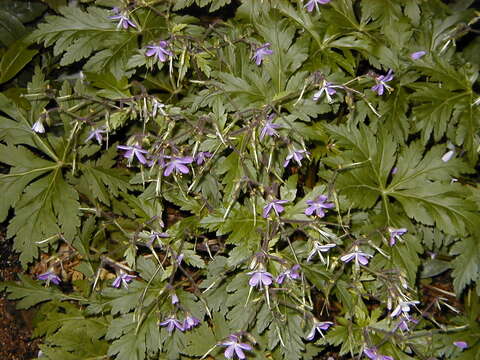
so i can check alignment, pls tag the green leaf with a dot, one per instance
(48, 207)
(15, 130)
(103, 181)
(82, 245)
(366, 165)
(292, 336)
(25, 167)
(10, 26)
(66, 328)
(133, 344)
(422, 186)
(199, 341)
(14, 60)
(78, 35)
(466, 266)
(24, 11)
(31, 292)
(436, 110)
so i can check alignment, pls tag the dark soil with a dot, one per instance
(15, 325)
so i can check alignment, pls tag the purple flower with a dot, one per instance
(403, 323)
(261, 52)
(328, 88)
(124, 279)
(202, 156)
(171, 323)
(372, 354)
(38, 127)
(395, 235)
(291, 274)
(314, 3)
(178, 164)
(381, 81)
(260, 278)
(360, 257)
(97, 134)
(296, 155)
(276, 205)
(190, 322)
(133, 151)
(159, 51)
(318, 326)
(49, 276)
(394, 170)
(123, 21)
(417, 55)
(403, 307)
(317, 206)
(461, 344)
(157, 159)
(156, 236)
(318, 249)
(179, 259)
(269, 129)
(235, 347)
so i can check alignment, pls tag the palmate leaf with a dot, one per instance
(252, 92)
(48, 207)
(422, 186)
(67, 329)
(366, 164)
(25, 167)
(102, 180)
(78, 35)
(134, 340)
(43, 208)
(421, 183)
(241, 226)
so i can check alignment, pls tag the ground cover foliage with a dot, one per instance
(271, 179)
